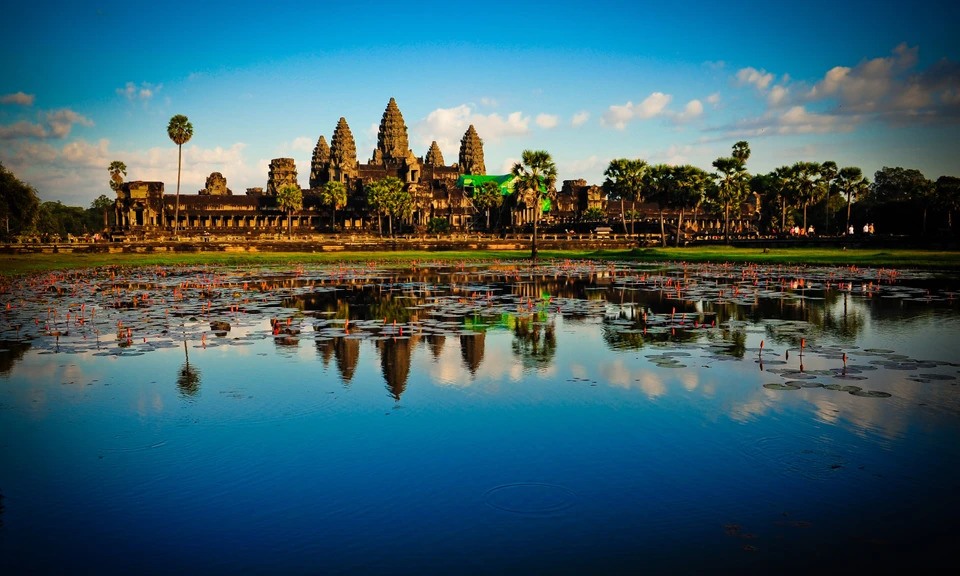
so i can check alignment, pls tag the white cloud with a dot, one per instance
(56, 124)
(713, 99)
(653, 105)
(489, 102)
(778, 94)
(547, 121)
(62, 121)
(757, 78)
(144, 92)
(18, 98)
(580, 118)
(302, 144)
(22, 129)
(794, 120)
(693, 109)
(448, 125)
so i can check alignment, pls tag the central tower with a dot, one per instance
(393, 145)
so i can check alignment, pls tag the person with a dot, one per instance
(866, 228)
(871, 227)
(850, 230)
(810, 230)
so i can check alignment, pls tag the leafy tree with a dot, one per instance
(536, 176)
(903, 185)
(334, 194)
(19, 204)
(534, 341)
(488, 196)
(103, 204)
(828, 175)
(290, 199)
(388, 196)
(948, 196)
(594, 214)
(852, 184)
(732, 182)
(803, 178)
(624, 181)
(117, 171)
(180, 130)
(658, 186)
(689, 187)
(438, 226)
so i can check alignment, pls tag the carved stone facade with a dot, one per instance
(471, 153)
(283, 171)
(434, 156)
(216, 185)
(319, 163)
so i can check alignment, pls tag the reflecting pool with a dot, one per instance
(572, 417)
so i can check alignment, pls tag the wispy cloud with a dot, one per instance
(53, 124)
(547, 121)
(580, 118)
(18, 98)
(448, 125)
(618, 115)
(143, 92)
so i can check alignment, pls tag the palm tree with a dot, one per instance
(180, 130)
(104, 204)
(658, 184)
(535, 177)
(802, 176)
(334, 194)
(733, 181)
(690, 185)
(117, 171)
(488, 196)
(388, 196)
(624, 182)
(828, 174)
(290, 199)
(850, 182)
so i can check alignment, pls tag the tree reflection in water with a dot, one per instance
(534, 340)
(188, 377)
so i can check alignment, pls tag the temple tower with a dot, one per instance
(434, 157)
(283, 171)
(471, 153)
(343, 154)
(393, 146)
(319, 163)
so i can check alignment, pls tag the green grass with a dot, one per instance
(933, 259)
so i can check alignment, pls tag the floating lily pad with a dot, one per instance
(870, 393)
(780, 386)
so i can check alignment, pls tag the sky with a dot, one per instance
(862, 83)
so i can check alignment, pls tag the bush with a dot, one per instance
(438, 226)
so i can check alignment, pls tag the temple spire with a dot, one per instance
(471, 153)
(392, 141)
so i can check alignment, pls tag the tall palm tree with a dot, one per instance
(334, 194)
(180, 130)
(290, 199)
(624, 182)
(850, 181)
(802, 176)
(117, 171)
(658, 185)
(690, 185)
(535, 178)
(828, 174)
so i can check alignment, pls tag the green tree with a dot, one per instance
(487, 197)
(388, 196)
(689, 187)
(103, 204)
(180, 130)
(948, 196)
(732, 182)
(624, 181)
(828, 176)
(903, 185)
(658, 186)
(290, 200)
(851, 183)
(334, 194)
(117, 171)
(803, 178)
(19, 204)
(535, 179)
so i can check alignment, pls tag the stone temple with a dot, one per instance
(432, 184)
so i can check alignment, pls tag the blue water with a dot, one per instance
(540, 432)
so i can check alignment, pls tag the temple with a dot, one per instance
(437, 191)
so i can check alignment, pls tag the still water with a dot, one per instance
(572, 417)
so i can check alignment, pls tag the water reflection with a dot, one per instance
(568, 413)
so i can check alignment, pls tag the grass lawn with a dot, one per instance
(933, 259)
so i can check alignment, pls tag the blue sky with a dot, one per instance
(866, 84)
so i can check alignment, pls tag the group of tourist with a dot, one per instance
(799, 231)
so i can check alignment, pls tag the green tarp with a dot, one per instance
(505, 182)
